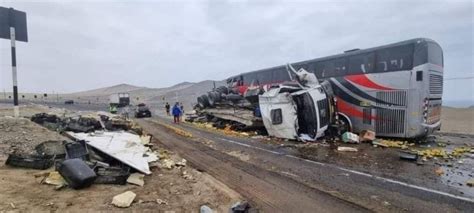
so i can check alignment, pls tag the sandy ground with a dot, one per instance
(457, 120)
(22, 189)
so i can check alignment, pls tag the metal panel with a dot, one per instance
(19, 24)
(390, 121)
(323, 112)
(367, 116)
(398, 98)
(436, 84)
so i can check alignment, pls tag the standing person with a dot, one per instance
(176, 112)
(182, 109)
(167, 107)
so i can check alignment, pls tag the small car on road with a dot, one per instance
(142, 111)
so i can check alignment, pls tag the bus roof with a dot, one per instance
(349, 53)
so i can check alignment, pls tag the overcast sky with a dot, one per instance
(75, 46)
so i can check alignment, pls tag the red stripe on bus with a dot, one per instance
(366, 82)
(350, 110)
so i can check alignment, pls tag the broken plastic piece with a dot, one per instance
(29, 161)
(346, 149)
(77, 173)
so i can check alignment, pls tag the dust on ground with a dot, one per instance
(181, 189)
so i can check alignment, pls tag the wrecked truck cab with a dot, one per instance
(295, 112)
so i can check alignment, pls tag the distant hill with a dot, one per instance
(107, 90)
(185, 92)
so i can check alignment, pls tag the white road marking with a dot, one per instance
(356, 172)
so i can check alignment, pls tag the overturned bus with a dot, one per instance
(394, 90)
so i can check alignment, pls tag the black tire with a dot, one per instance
(223, 90)
(233, 97)
(200, 103)
(204, 101)
(345, 125)
(214, 97)
(211, 98)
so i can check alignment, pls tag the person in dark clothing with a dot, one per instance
(176, 111)
(167, 107)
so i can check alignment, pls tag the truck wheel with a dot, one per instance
(201, 102)
(223, 90)
(233, 97)
(205, 101)
(214, 97)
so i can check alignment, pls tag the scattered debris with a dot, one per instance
(186, 175)
(76, 173)
(410, 156)
(346, 149)
(123, 146)
(29, 161)
(161, 202)
(391, 144)
(240, 207)
(167, 163)
(136, 179)
(124, 200)
(54, 178)
(439, 171)
(77, 150)
(181, 163)
(51, 149)
(349, 137)
(205, 209)
(366, 136)
(112, 175)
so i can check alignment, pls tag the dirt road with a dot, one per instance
(270, 191)
(290, 172)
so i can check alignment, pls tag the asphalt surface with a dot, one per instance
(277, 171)
(270, 191)
(360, 188)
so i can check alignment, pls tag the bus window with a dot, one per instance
(334, 68)
(265, 77)
(281, 75)
(435, 54)
(395, 58)
(362, 63)
(318, 68)
(248, 78)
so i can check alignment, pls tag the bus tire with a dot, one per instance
(345, 123)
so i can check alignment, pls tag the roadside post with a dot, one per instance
(13, 27)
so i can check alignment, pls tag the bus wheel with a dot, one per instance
(344, 124)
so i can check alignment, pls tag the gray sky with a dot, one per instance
(75, 46)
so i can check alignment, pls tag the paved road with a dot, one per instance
(270, 191)
(366, 190)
